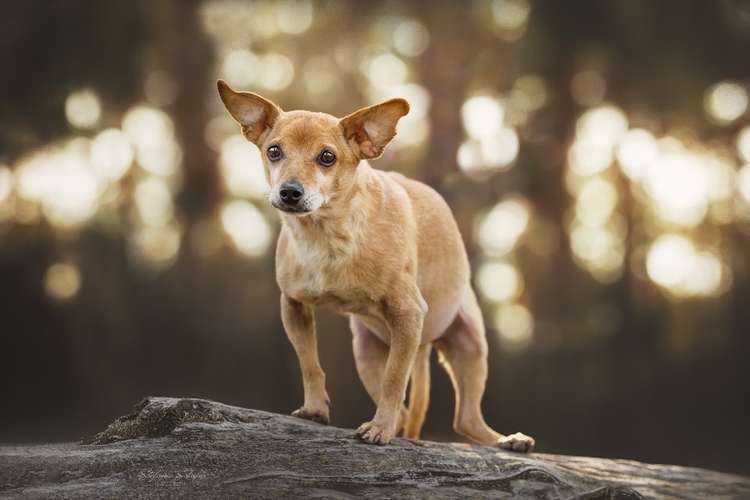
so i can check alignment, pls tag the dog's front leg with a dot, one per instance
(299, 323)
(405, 324)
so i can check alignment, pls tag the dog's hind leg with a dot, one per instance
(370, 356)
(419, 393)
(463, 353)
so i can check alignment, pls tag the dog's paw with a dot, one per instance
(517, 442)
(314, 415)
(372, 433)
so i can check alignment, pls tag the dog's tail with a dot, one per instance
(419, 393)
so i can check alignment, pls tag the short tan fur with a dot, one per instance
(376, 246)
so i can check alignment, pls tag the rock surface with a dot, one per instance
(197, 448)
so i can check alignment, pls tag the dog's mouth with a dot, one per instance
(292, 209)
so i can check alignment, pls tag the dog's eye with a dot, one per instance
(274, 153)
(326, 158)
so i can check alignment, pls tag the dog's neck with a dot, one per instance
(338, 227)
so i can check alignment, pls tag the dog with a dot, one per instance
(376, 246)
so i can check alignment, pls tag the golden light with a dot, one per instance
(111, 154)
(499, 231)
(603, 125)
(469, 157)
(217, 129)
(510, 15)
(596, 201)
(6, 184)
(411, 38)
(500, 281)
(240, 68)
(275, 72)
(724, 102)
(529, 93)
(482, 116)
(411, 132)
(743, 182)
(721, 177)
(743, 144)
(151, 131)
(637, 150)
(82, 109)
(155, 247)
(674, 264)
(679, 186)
(386, 70)
(501, 150)
(598, 249)
(588, 87)
(598, 130)
(61, 180)
(242, 168)
(294, 16)
(588, 157)
(153, 201)
(7, 205)
(62, 281)
(515, 325)
(246, 227)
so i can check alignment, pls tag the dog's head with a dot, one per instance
(310, 159)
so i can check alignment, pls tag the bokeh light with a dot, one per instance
(482, 116)
(636, 152)
(155, 247)
(62, 182)
(411, 38)
(153, 201)
(499, 281)
(743, 182)
(743, 144)
(240, 68)
(83, 109)
(151, 131)
(62, 281)
(111, 154)
(246, 227)
(511, 17)
(500, 229)
(679, 186)
(675, 264)
(275, 72)
(242, 168)
(515, 326)
(725, 102)
(387, 69)
(294, 16)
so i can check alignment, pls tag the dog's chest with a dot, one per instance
(323, 275)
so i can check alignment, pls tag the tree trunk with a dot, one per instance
(196, 448)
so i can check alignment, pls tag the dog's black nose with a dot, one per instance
(291, 192)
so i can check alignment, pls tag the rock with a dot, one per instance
(172, 447)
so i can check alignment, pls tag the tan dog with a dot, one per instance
(379, 247)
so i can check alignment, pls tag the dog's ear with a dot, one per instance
(370, 129)
(254, 113)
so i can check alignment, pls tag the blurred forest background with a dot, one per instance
(595, 154)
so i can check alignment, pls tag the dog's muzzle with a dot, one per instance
(291, 196)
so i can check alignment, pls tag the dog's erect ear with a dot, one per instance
(254, 113)
(370, 129)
